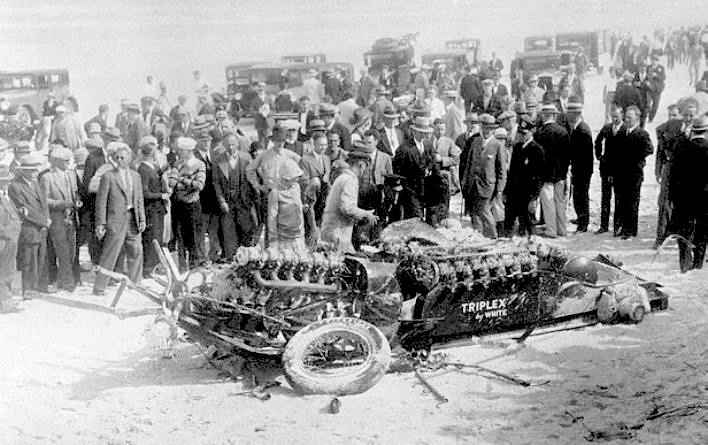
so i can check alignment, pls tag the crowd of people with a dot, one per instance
(333, 173)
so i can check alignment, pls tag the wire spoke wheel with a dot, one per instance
(343, 355)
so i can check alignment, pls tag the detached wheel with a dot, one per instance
(340, 356)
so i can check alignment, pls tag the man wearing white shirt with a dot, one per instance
(391, 136)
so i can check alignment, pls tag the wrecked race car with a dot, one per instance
(330, 317)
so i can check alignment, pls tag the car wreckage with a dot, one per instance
(330, 317)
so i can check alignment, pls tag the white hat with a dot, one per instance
(186, 143)
(61, 109)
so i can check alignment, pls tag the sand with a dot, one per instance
(73, 373)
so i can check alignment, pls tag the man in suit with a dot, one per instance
(235, 196)
(656, 73)
(495, 63)
(150, 113)
(668, 135)
(155, 198)
(305, 115)
(630, 161)
(135, 128)
(332, 125)
(181, 122)
(689, 193)
(120, 218)
(390, 136)
(101, 119)
(10, 227)
(414, 161)
(627, 94)
(380, 105)
(97, 157)
(207, 197)
(66, 128)
(61, 190)
(556, 146)
(204, 106)
(31, 203)
(607, 144)
(562, 105)
(581, 162)
(524, 181)
(263, 108)
(470, 88)
(181, 106)
(488, 102)
(487, 177)
(447, 155)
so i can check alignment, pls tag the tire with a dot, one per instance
(26, 115)
(341, 380)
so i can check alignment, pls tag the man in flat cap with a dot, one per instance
(64, 201)
(120, 218)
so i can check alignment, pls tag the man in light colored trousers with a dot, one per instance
(553, 202)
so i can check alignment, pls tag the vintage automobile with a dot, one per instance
(545, 64)
(454, 60)
(277, 77)
(28, 90)
(396, 54)
(539, 43)
(330, 317)
(590, 43)
(305, 58)
(472, 47)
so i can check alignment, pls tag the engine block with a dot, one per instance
(304, 285)
(420, 272)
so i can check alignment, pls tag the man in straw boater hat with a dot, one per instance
(556, 145)
(688, 191)
(485, 177)
(31, 203)
(415, 161)
(581, 161)
(341, 210)
(10, 226)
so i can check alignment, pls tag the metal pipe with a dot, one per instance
(294, 284)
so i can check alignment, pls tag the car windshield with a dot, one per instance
(541, 63)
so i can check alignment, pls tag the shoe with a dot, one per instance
(601, 230)
(45, 290)
(574, 221)
(27, 295)
(99, 293)
(626, 236)
(581, 229)
(546, 234)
